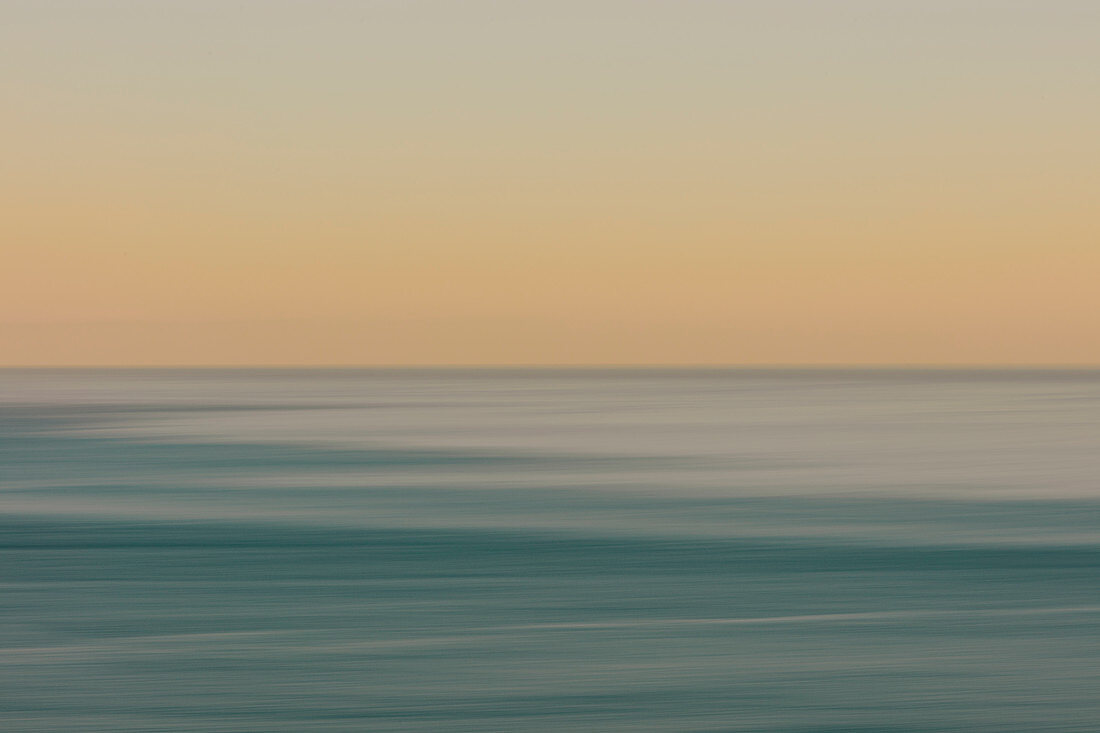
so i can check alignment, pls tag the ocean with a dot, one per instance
(765, 550)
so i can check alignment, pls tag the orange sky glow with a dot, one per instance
(836, 182)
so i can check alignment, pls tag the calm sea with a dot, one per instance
(549, 550)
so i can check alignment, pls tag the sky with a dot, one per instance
(185, 182)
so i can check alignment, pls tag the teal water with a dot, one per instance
(541, 550)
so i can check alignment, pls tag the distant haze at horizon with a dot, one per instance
(840, 182)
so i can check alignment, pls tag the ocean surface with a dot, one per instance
(804, 551)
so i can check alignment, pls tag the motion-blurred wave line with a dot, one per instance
(812, 618)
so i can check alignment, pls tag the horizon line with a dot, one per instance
(588, 366)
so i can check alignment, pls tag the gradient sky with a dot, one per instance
(557, 182)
